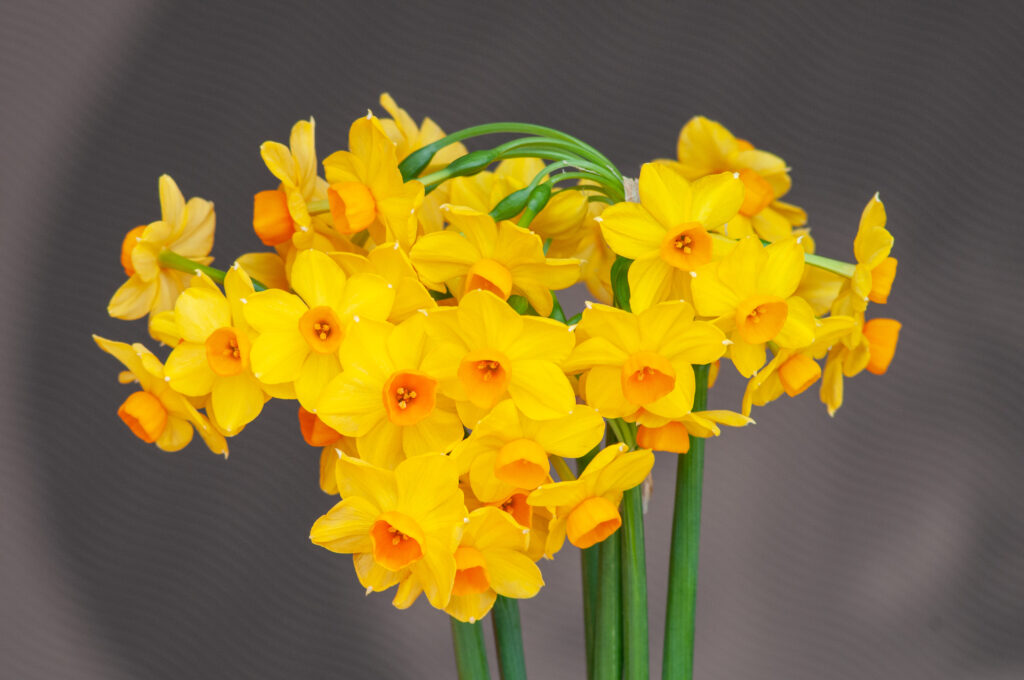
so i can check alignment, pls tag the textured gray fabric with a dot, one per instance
(887, 542)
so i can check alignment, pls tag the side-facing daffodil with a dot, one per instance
(873, 276)
(706, 147)
(300, 333)
(666, 233)
(386, 397)
(507, 452)
(750, 292)
(587, 509)
(486, 352)
(643, 360)
(367, 190)
(402, 526)
(184, 228)
(662, 434)
(212, 357)
(280, 213)
(475, 253)
(868, 346)
(490, 561)
(155, 413)
(391, 263)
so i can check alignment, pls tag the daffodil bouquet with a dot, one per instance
(408, 302)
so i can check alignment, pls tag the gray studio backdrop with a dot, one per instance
(887, 542)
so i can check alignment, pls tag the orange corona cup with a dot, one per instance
(882, 334)
(270, 217)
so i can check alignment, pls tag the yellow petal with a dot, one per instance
(747, 357)
(572, 436)
(346, 527)
(351, 406)
(512, 573)
(172, 203)
(594, 352)
(471, 608)
(274, 310)
(436, 574)
(540, 389)
(367, 296)
(316, 372)
(616, 325)
(627, 470)
(666, 195)
(267, 268)
(437, 434)
(303, 149)
(133, 299)
(716, 199)
(631, 231)
(650, 282)
(236, 401)
(798, 330)
(277, 356)
(559, 494)
(317, 279)
(199, 312)
(356, 477)
(782, 270)
(603, 388)
(196, 240)
(443, 255)
(176, 435)
(189, 371)
(278, 158)
(711, 296)
(540, 339)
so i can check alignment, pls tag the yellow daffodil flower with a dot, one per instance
(875, 270)
(660, 434)
(706, 147)
(402, 526)
(507, 452)
(212, 357)
(366, 188)
(868, 346)
(391, 263)
(477, 253)
(587, 509)
(750, 291)
(185, 228)
(386, 397)
(490, 561)
(792, 371)
(280, 213)
(643, 360)
(300, 334)
(487, 352)
(666, 233)
(157, 414)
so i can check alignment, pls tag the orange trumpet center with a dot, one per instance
(592, 521)
(128, 245)
(396, 541)
(409, 397)
(687, 247)
(145, 415)
(882, 335)
(522, 463)
(798, 373)
(760, 318)
(757, 193)
(517, 506)
(482, 373)
(271, 219)
(322, 329)
(315, 431)
(471, 572)
(353, 206)
(671, 437)
(647, 377)
(227, 351)
(490, 275)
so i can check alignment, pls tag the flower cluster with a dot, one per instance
(409, 305)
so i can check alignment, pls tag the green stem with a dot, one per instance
(634, 587)
(508, 639)
(608, 616)
(470, 652)
(518, 128)
(589, 567)
(680, 615)
(835, 266)
(172, 260)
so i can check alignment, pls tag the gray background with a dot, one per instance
(887, 542)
